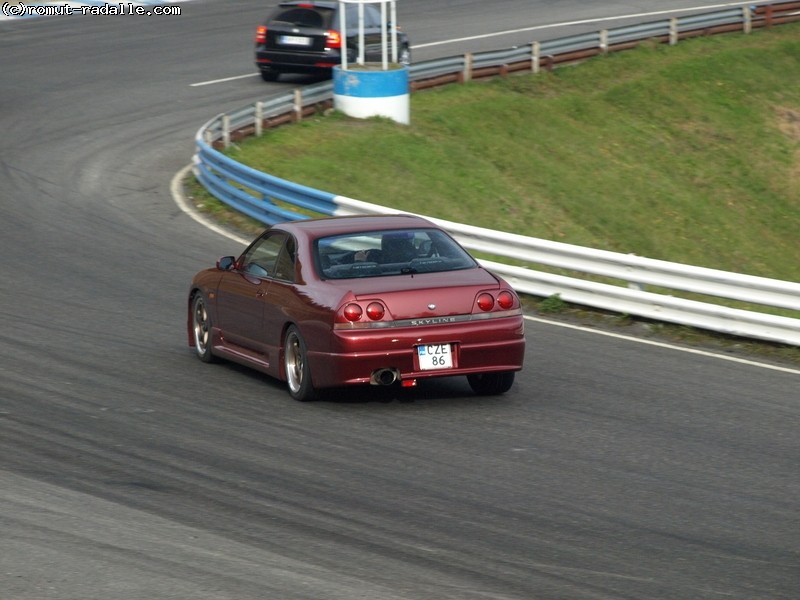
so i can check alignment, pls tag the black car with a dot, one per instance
(305, 37)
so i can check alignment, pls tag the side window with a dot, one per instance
(351, 16)
(372, 17)
(261, 258)
(284, 267)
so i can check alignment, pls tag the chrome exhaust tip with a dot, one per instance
(384, 376)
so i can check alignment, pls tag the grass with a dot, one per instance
(687, 153)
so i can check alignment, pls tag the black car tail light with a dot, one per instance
(334, 39)
(261, 34)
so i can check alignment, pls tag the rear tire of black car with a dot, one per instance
(491, 384)
(201, 329)
(404, 58)
(270, 75)
(295, 363)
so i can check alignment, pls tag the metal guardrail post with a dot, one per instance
(673, 31)
(747, 18)
(467, 73)
(298, 105)
(536, 52)
(259, 118)
(604, 41)
(226, 130)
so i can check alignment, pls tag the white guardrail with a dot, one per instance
(255, 193)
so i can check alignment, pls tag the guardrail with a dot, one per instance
(270, 199)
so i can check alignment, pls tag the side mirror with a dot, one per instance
(226, 263)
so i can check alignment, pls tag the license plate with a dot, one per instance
(435, 356)
(295, 40)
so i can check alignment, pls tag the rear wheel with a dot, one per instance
(491, 384)
(270, 75)
(295, 362)
(201, 329)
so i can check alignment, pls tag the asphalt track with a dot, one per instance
(129, 470)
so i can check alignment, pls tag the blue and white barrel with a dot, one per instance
(365, 93)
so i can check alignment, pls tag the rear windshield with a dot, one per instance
(394, 252)
(316, 18)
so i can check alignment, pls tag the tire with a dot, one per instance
(295, 363)
(270, 75)
(491, 384)
(201, 329)
(404, 58)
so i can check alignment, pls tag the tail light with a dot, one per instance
(375, 311)
(353, 312)
(261, 34)
(485, 301)
(505, 300)
(334, 39)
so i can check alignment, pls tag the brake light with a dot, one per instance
(334, 39)
(375, 311)
(261, 34)
(485, 301)
(352, 312)
(505, 300)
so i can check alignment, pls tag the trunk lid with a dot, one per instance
(434, 294)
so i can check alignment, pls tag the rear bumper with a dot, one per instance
(293, 62)
(477, 347)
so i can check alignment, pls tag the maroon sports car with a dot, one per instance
(339, 301)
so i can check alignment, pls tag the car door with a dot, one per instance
(243, 291)
(281, 302)
(372, 32)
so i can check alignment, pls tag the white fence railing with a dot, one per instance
(636, 272)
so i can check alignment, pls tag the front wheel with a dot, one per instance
(201, 329)
(491, 384)
(295, 362)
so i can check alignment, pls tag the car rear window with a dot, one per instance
(394, 252)
(316, 18)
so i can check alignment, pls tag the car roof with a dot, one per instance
(306, 3)
(316, 228)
